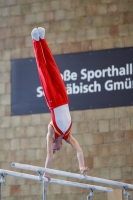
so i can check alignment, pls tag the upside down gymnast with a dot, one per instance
(57, 100)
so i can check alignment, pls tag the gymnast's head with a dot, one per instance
(57, 146)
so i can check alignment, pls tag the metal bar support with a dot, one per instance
(44, 190)
(0, 191)
(2, 180)
(125, 193)
(90, 195)
(43, 184)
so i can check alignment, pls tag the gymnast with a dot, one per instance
(57, 100)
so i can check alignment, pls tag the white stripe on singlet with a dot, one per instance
(62, 117)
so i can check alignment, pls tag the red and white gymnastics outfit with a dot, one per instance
(53, 86)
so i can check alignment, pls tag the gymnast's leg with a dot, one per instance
(59, 87)
(60, 113)
(42, 67)
(52, 82)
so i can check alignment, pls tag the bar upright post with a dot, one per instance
(0, 191)
(44, 190)
(126, 193)
(90, 195)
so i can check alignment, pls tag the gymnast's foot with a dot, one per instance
(41, 32)
(35, 34)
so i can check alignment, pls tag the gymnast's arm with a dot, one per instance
(71, 140)
(49, 157)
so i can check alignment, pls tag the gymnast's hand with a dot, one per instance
(83, 169)
(47, 176)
